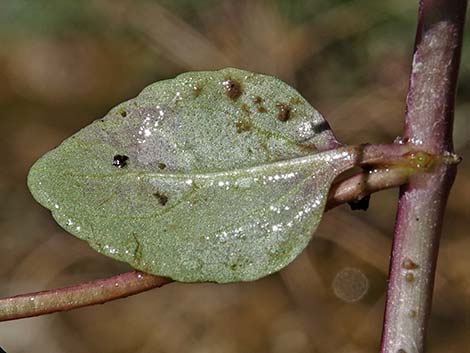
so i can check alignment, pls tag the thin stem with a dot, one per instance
(85, 294)
(362, 184)
(428, 125)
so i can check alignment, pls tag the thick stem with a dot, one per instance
(428, 126)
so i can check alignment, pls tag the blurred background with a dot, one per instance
(64, 64)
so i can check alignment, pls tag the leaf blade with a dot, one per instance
(192, 202)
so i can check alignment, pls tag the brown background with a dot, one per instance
(64, 64)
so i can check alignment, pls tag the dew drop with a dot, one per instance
(400, 140)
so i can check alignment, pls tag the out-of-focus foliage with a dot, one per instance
(65, 63)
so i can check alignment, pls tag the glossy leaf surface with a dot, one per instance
(211, 176)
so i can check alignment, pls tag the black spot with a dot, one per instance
(319, 128)
(233, 88)
(257, 100)
(120, 161)
(283, 111)
(261, 109)
(361, 204)
(123, 113)
(161, 165)
(162, 198)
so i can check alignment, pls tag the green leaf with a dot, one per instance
(211, 176)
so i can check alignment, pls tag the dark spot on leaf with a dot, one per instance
(161, 165)
(197, 90)
(245, 109)
(361, 204)
(233, 267)
(283, 111)
(258, 100)
(243, 126)
(123, 113)
(295, 100)
(233, 88)
(162, 198)
(120, 161)
(320, 127)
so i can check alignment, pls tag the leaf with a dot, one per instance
(211, 176)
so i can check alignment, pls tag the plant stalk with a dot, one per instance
(422, 201)
(84, 294)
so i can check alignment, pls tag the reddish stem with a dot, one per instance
(85, 294)
(428, 126)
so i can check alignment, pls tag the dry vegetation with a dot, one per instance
(350, 59)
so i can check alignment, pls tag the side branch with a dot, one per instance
(85, 294)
